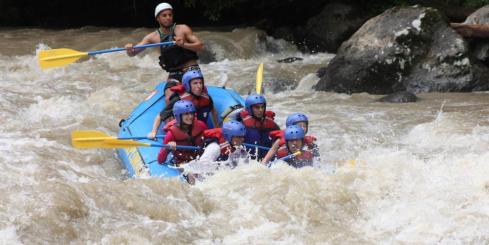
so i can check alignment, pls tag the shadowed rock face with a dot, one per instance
(399, 97)
(207, 56)
(277, 85)
(335, 24)
(480, 47)
(405, 48)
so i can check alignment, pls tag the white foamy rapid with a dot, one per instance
(390, 173)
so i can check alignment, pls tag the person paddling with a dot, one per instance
(294, 143)
(259, 123)
(178, 58)
(226, 143)
(184, 130)
(193, 89)
(278, 136)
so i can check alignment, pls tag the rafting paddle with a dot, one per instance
(94, 135)
(257, 146)
(115, 143)
(97, 139)
(64, 56)
(259, 78)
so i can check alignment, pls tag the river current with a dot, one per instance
(414, 173)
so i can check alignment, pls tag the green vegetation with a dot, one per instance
(475, 3)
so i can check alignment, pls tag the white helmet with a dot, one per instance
(161, 7)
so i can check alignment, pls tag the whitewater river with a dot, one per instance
(420, 172)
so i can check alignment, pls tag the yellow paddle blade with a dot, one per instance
(96, 139)
(88, 138)
(259, 78)
(59, 57)
(104, 142)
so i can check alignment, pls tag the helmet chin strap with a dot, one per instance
(288, 148)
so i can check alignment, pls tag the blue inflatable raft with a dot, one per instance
(142, 161)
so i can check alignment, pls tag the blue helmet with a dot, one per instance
(189, 76)
(233, 128)
(254, 99)
(294, 132)
(294, 118)
(181, 107)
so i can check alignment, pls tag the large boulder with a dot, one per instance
(335, 24)
(480, 48)
(404, 48)
(480, 16)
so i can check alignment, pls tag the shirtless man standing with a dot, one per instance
(178, 58)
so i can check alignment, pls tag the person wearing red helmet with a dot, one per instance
(178, 58)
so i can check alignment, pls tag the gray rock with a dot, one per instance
(289, 60)
(479, 48)
(404, 48)
(480, 16)
(321, 72)
(277, 84)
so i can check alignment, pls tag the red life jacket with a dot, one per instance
(199, 102)
(177, 89)
(257, 131)
(280, 134)
(203, 104)
(304, 159)
(181, 138)
(252, 122)
(216, 133)
(180, 90)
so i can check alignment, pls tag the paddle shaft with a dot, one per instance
(284, 158)
(122, 49)
(139, 137)
(256, 146)
(183, 147)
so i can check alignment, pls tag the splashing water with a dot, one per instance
(403, 173)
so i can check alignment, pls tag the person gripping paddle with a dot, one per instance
(176, 59)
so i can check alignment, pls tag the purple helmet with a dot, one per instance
(181, 107)
(233, 128)
(189, 76)
(294, 118)
(254, 99)
(294, 132)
